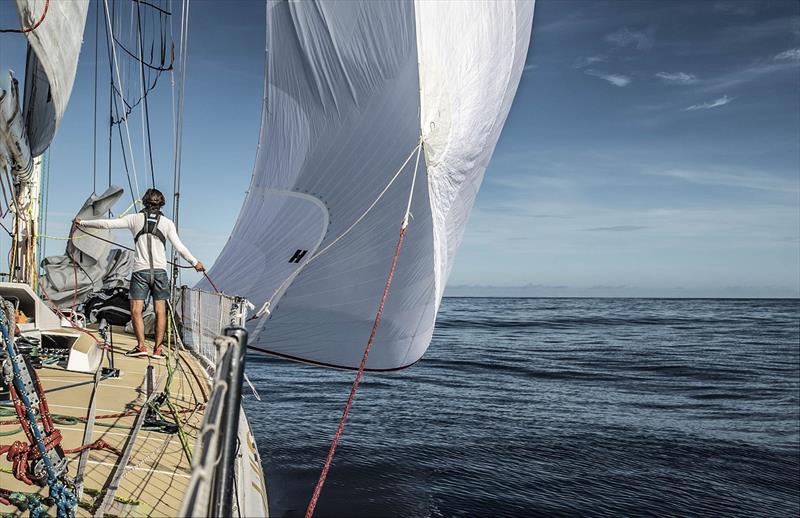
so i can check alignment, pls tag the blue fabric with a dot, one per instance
(141, 287)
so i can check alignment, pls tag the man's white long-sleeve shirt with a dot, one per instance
(135, 223)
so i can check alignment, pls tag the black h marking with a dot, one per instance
(298, 255)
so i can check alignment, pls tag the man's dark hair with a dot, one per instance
(153, 199)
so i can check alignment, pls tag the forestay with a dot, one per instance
(351, 87)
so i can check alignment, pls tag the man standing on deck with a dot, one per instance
(151, 230)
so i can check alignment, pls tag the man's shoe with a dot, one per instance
(137, 351)
(158, 354)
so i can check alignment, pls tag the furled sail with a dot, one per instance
(14, 149)
(351, 88)
(53, 49)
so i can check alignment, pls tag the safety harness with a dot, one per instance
(150, 228)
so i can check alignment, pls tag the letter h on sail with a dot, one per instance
(298, 255)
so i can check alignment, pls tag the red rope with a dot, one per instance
(99, 444)
(35, 26)
(211, 282)
(71, 322)
(326, 467)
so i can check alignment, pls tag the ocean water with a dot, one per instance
(523, 407)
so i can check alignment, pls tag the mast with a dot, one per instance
(25, 172)
(54, 43)
(27, 191)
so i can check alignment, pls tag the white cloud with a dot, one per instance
(584, 62)
(529, 67)
(617, 228)
(789, 55)
(677, 77)
(760, 71)
(722, 101)
(750, 180)
(625, 37)
(739, 8)
(614, 79)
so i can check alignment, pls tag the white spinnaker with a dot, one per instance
(51, 66)
(472, 54)
(342, 114)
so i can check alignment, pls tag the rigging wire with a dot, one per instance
(157, 8)
(115, 64)
(113, 108)
(140, 74)
(130, 107)
(96, 67)
(143, 62)
(146, 111)
(71, 238)
(178, 125)
(34, 26)
(111, 103)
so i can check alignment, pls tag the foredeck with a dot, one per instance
(157, 473)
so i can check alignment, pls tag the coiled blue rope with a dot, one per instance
(64, 498)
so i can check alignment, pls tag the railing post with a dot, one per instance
(223, 479)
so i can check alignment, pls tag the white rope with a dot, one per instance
(411, 192)
(252, 388)
(120, 91)
(265, 309)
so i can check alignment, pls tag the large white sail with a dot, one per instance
(350, 88)
(52, 61)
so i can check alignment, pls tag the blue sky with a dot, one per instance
(653, 148)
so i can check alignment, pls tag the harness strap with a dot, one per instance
(150, 228)
(151, 220)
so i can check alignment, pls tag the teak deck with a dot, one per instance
(158, 472)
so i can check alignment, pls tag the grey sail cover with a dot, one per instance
(88, 265)
(53, 50)
(351, 87)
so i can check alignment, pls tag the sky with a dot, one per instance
(653, 148)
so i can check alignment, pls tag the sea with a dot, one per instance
(551, 407)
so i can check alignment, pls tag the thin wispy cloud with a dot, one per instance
(615, 79)
(528, 67)
(750, 180)
(757, 72)
(788, 55)
(681, 78)
(585, 61)
(625, 37)
(716, 103)
(763, 29)
(617, 228)
(738, 8)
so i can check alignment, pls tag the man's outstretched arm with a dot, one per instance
(172, 235)
(105, 223)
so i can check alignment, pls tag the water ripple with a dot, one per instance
(553, 407)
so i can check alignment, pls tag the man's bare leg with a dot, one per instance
(160, 307)
(137, 306)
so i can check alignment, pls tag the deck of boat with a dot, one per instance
(155, 478)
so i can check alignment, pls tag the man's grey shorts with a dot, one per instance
(141, 286)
